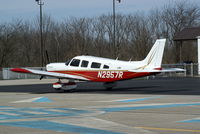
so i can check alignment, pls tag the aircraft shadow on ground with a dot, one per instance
(158, 87)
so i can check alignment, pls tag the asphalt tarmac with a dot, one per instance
(166, 105)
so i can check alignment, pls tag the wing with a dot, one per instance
(164, 70)
(45, 73)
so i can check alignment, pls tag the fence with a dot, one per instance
(7, 74)
(191, 71)
(1, 75)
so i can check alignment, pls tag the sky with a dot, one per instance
(62, 9)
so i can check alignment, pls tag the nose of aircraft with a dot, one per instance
(49, 67)
(55, 66)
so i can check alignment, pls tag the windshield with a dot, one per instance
(67, 63)
(75, 62)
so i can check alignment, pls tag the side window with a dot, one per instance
(84, 63)
(95, 65)
(75, 62)
(105, 67)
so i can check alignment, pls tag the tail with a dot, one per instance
(154, 58)
(152, 63)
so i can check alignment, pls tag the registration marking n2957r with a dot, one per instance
(110, 74)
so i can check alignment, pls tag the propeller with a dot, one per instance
(48, 61)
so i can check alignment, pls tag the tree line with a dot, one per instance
(135, 35)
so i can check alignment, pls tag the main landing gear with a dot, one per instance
(68, 86)
(109, 85)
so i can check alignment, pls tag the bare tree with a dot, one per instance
(7, 39)
(177, 17)
(135, 34)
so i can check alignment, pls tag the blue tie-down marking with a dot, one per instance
(5, 107)
(22, 113)
(64, 112)
(58, 127)
(19, 112)
(9, 117)
(43, 99)
(78, 111)
(116, 109)
(191, 121)
(136, 100)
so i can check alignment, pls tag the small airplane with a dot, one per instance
(97, 69)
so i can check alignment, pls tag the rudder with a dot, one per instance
(154, 57)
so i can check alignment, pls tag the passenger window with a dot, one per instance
(75, 62)
(84, 63)
(105, 67)
(95, 65)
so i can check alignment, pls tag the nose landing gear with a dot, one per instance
(64, 86)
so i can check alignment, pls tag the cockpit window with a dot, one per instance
(84, 63)
(67, 63)
(95, 65)
(105, 67)
(75, 62)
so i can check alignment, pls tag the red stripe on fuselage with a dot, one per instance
(105, 75)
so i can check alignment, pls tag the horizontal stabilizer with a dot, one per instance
(172, 70)
(164, 70)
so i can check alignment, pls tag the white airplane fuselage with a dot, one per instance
(109, 70)
(106, 70)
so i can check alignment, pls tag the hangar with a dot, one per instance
(188, 34)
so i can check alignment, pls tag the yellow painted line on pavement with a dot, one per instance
(169, 129)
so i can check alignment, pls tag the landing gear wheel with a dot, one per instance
(58, 89)
(109, 88)
(68, 91)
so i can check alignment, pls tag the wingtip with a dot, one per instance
(20, 70)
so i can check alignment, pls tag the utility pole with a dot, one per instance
(114, 28)
(198, 48)
(40, 3)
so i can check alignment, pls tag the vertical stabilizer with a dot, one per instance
(154, 58)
